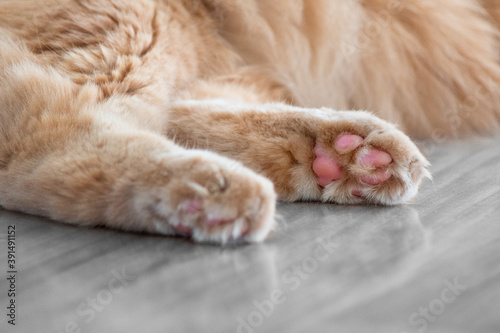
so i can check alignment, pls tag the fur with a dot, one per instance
(192, 116)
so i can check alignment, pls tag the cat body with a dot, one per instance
(192, 117)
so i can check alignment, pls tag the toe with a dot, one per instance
(183, 229)
(348, 142)
(376, 177)
(215, 220)
(357, 193)
(375, 157)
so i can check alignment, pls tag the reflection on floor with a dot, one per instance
(432, 266)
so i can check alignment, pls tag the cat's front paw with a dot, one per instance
(208, 198)
(367, 160)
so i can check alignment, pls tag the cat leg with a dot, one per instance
(68, 155)
(309, 154)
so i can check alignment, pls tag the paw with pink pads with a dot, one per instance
(209, 198)
(382, 167)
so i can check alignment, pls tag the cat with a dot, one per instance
(192, 117)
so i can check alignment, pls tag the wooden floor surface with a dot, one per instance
(431, 266)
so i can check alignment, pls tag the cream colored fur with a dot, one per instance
(133, 114)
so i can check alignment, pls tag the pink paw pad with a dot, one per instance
(376, 178)
(183, 230)
(326, 168)
(375, 157)
(348, 142)
(357, 193)
(213, 221)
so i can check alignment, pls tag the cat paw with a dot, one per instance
(375, 164)
(209, 198)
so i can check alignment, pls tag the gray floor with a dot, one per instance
(432, 266)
